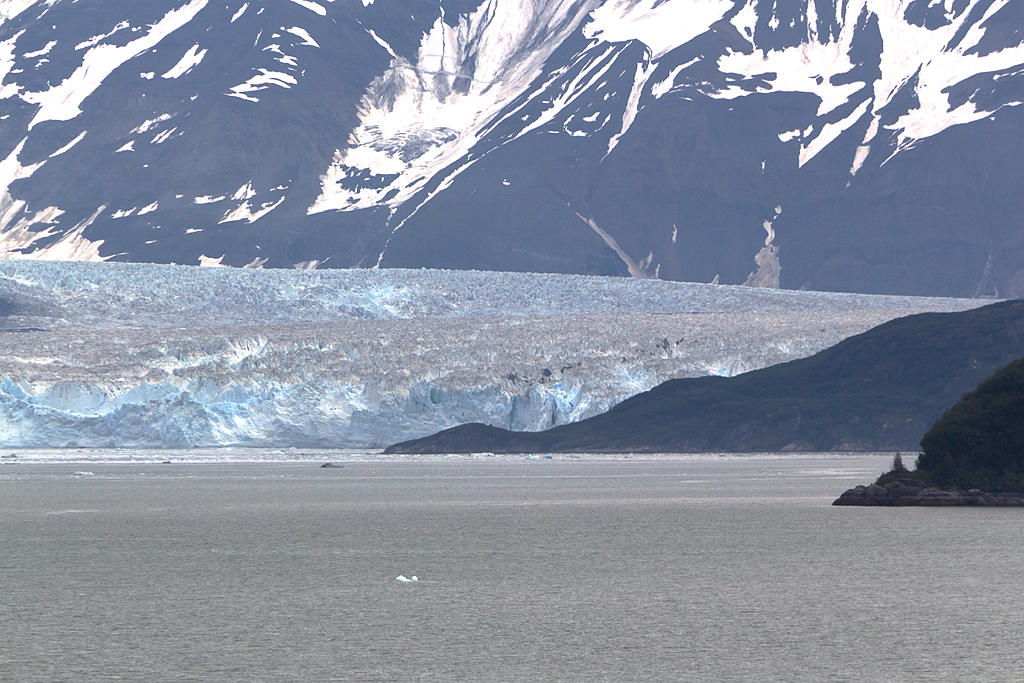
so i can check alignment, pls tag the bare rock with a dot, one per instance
(903, 492)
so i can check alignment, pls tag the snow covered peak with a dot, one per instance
(645, 137)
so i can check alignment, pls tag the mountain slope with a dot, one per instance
(860, 146)
(879, 390)
(979, 441)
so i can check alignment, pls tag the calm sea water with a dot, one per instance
(679, 569)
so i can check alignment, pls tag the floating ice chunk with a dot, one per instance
(126, 147)
(403, 579)
(240, 12)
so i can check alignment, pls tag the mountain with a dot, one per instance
(879, 390)
(865, 145)
(979, 441)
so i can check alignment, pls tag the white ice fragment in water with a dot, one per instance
(126, 147)
(402, 579)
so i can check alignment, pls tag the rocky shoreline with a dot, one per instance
(904, 492)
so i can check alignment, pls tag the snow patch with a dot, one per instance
(312, 6)
(382, 43)
(930, 57)
(302, 33)
(62, 102)
(148, 125)
(244, 192)
(69, 145)
(208, 199)
(261, 81)
(191, 58)
(421, 116)
(7, 63)
(163, 136)
(244, 212)
(208, 262)
(661, 26)
(39, 53)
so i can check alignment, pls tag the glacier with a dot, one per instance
(114, 355)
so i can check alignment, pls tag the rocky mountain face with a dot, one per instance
(862, 145)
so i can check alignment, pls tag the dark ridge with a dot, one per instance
(879, 390)
(979, 442)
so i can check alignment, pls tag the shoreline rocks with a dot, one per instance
(905, 492)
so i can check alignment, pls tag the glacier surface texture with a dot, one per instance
(151, 356)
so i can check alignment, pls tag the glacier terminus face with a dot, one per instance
(146, 356)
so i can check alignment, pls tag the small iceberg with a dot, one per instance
(82, 474)
(403, 579)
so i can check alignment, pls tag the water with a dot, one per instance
(664, 569)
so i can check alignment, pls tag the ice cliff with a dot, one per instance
(125, 355)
